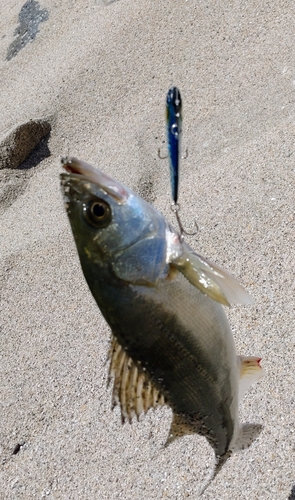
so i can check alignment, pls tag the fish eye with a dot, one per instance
(97, 213)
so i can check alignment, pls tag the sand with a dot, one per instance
(98, 73)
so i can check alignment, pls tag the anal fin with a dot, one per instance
(132, 388)
(250, 372)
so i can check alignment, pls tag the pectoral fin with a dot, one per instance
(210, 279)
(132, 388)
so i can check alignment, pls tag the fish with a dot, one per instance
(174, 131)
(171, 343)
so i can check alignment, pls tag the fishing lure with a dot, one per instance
(174, 130)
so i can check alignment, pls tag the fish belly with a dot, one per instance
(183, 341)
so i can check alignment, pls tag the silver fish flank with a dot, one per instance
(171, 340)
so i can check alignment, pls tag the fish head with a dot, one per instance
(112, 226)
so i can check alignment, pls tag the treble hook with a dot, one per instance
(159, 155)
(175, 207)
(166, 156)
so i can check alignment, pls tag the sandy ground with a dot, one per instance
(99, 75)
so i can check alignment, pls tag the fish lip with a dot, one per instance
(80, 169)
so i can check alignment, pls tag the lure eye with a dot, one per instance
(174, 129)
(97, 213)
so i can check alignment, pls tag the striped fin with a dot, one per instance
(132, 388)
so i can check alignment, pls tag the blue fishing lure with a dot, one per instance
(174, 128)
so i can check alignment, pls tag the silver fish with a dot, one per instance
(171, 341)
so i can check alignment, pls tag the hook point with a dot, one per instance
(175, 207)
(160, 156)
(186, 155)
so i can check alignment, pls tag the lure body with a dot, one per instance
(174, 129)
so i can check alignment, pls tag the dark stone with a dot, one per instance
(20, 141)
(17, 448)
(15, 177)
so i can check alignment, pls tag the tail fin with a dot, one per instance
(250, 372)
(219, 463)
(247, 434)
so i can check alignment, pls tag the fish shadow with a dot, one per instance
(292, 494)
(248, 434)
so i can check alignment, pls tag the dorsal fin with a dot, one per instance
(180, 427)
(132, 389)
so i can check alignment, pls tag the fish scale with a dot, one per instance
(176, 363)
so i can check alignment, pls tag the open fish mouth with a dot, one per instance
(82, 169)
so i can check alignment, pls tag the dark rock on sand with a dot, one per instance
(20, 141)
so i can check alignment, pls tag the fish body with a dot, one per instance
(174, 130)
(172, 343)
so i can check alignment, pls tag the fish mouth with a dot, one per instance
(88, 172)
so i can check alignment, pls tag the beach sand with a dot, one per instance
(98, 75)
